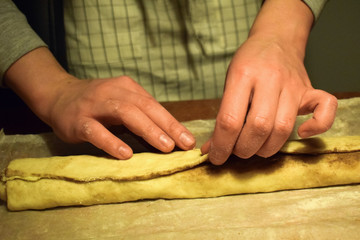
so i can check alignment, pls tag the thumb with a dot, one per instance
(323, 106)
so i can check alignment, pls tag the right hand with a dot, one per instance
(85, 108)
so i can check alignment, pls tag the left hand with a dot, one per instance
(266, 88)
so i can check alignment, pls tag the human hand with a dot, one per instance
(266, 87)
(85, 108)
(80, 110)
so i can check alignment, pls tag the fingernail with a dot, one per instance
(125, 152)
(187, 139)
(166, 141)
(306, 134)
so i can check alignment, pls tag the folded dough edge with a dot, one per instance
(84, 168)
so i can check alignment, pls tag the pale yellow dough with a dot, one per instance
(235, 177)
(85, 168)
(39, 183)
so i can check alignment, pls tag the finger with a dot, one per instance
(140, 124)
(283, 125)
(157, 113)
(230, 118)
(182, 137)
(205, 147)
(147, 122)
(95, 133)
(323, 105)
(259, 122)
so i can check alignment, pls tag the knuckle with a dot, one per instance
(101, 88)
(328, 98)
(127, 82)
(120, 80)
(113, 106)
(127, 79)
(84, 130)
(147, 103)
(332, 100)
(261, 126)
(283, 128)
(228, 122)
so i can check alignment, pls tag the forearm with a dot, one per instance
(285, 22)
(16, 38)
(38, 79)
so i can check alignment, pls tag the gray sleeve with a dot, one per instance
(17, 37)
(316, 6)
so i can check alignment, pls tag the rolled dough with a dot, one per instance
(235, 177)
(39, 183)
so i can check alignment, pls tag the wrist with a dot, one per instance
(284, 22)
(38, 79)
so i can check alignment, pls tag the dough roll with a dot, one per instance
(237, 176)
